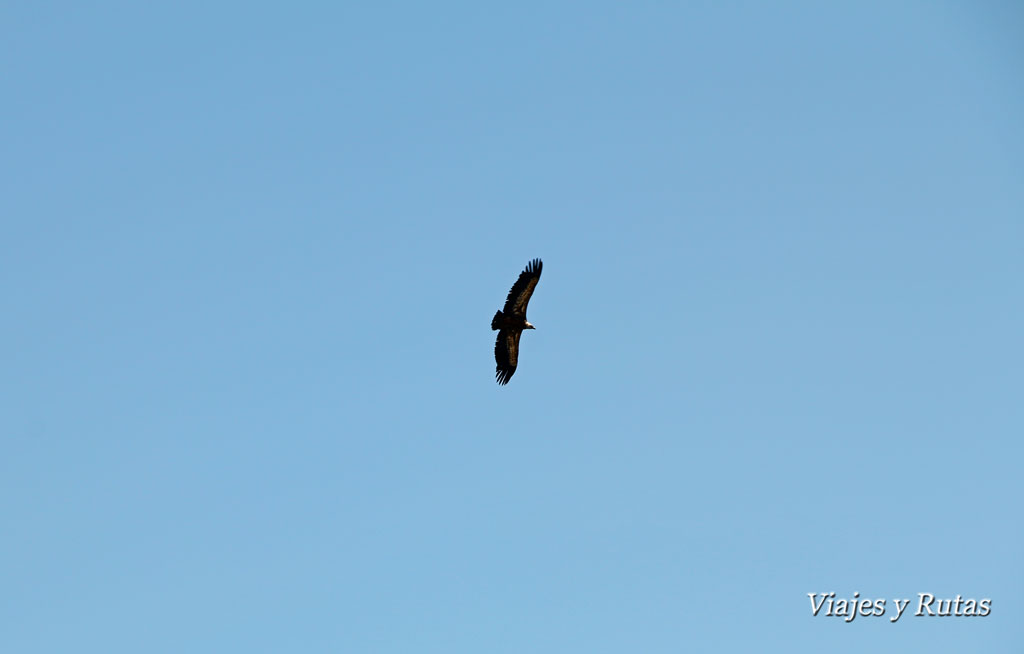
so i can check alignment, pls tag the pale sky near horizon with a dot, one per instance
(250, 255)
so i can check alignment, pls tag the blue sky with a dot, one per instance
(251, 251)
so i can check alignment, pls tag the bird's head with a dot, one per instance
(528, 326)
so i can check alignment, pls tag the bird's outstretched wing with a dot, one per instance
(506, 354)
(519, 296)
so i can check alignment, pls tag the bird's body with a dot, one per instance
(502, 321)
(511, 321)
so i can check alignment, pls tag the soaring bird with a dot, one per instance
(511, 321)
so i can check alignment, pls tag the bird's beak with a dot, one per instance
(529, 326)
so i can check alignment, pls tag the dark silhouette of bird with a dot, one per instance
(511, 321)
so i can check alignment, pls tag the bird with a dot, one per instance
(511, 321)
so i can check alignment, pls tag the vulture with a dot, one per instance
(511, 321)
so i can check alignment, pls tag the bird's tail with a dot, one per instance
(496, 321)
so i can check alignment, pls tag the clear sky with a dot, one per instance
(249, 257)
